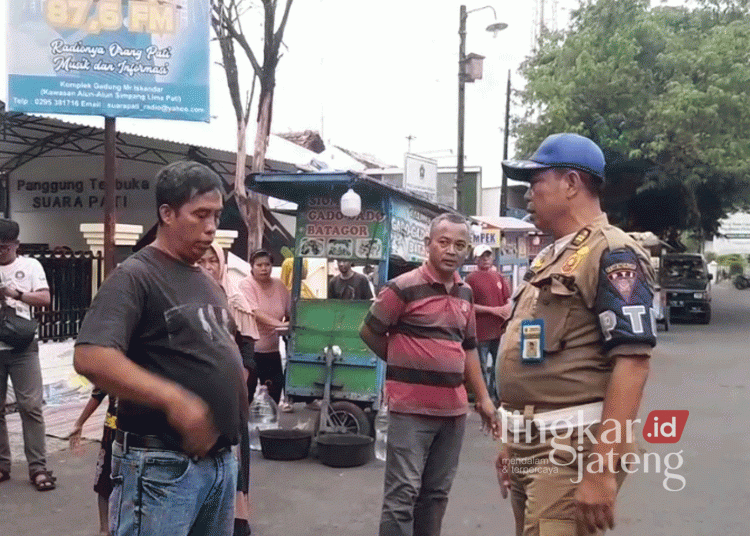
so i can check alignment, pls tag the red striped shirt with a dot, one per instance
(429, 331)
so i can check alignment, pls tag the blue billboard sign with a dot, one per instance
(115, 58)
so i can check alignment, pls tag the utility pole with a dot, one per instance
(110, 218)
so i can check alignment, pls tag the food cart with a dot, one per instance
(326, 359)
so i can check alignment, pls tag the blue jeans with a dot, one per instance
(487, 351)
(165, 493)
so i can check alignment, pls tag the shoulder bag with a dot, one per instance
(16, 331)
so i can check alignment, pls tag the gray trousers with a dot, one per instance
(421, 462)
(26, 374)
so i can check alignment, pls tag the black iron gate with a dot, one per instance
(73, 279)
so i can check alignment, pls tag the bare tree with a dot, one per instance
(227, 24)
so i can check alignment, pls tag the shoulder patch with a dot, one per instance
(624, 300)
(581, 237)
(574, 260)
(622, 275)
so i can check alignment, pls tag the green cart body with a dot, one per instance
(326, 359)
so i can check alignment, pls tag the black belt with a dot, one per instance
(131, 440)
(424, 377)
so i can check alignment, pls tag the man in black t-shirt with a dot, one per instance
(159, 336)
(349, 285)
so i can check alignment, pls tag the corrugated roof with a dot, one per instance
(220, 136)
(28, 136)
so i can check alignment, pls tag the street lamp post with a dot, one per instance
(461, 104)
(504, 184)
(464, 77)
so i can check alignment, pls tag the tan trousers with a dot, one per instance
(542, 489)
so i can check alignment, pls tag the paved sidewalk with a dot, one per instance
(59, 422)
(69, 510)
(65, 395)
(297, 498)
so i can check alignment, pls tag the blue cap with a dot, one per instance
(566, 150)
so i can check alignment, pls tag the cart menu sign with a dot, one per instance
(410, 225)
(115, 58)
(323, 231)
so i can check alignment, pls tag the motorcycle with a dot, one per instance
(741, 282)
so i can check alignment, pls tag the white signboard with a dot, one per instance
(735, 226)
(420, 176)
(79, 194)
(116, 58)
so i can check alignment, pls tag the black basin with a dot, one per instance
(344, 450)
(285, 444)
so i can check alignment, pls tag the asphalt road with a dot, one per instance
(703, 369)
(706, 370)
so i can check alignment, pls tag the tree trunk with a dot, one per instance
(244, 202)
(254, 206)
(239, 171)
(263, 131)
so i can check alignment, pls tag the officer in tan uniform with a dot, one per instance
(575, 355)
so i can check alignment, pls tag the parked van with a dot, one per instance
(685, 278)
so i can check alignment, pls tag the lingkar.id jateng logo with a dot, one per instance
(661, 426)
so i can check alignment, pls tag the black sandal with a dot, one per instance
(4, 475)
(46, 483)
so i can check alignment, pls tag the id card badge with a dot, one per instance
(532, 341)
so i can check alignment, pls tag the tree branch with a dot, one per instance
(280, 32)
(231, 26)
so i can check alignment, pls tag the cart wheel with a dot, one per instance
(348, 418)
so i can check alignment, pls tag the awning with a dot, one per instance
(505, 223)
(297, 187)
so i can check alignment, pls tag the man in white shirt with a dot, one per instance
(23, 284)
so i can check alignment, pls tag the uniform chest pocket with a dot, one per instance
(554, 303)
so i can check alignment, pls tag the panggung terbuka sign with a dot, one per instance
(115, 58)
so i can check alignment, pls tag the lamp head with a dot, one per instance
(496, 28)
(351, 204)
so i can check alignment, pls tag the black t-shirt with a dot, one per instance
(173, 320)
(354, 288)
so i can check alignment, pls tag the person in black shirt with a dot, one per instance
(103, 479)
(349, 285)
(159, 336)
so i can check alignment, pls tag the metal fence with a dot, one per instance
(73, 279)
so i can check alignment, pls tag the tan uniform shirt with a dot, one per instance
(595, 297)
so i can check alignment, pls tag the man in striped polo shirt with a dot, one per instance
(422, 323)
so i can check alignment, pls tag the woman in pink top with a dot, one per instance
(270, 303)
(214, 263)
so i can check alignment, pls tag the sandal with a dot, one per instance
(4, 475)
(46, 483)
